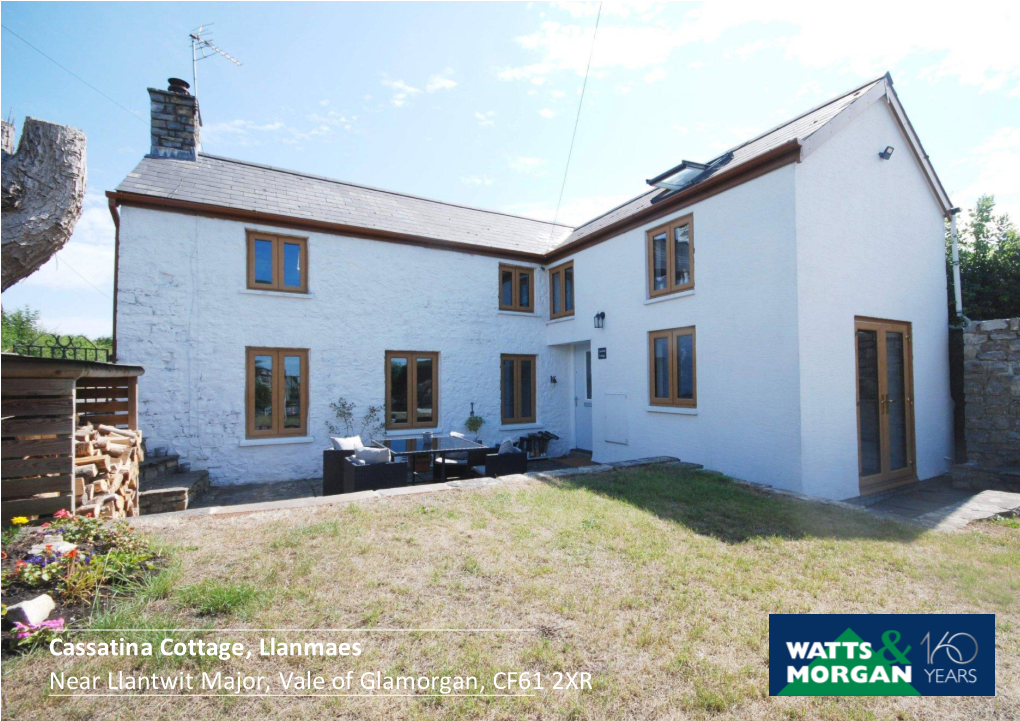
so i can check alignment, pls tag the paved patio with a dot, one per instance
(936, 504)
(247, 493)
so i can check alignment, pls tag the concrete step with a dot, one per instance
(152, 467)
(172, 492)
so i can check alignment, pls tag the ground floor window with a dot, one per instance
(412, 389)
(277, 392)
(672, 368)
(517, 388)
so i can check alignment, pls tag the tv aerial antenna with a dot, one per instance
(202, 48)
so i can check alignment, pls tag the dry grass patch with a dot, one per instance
(658, 582)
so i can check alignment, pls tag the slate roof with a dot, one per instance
(237, 184)
(798, 128)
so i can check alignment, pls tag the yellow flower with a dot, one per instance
(19, 520)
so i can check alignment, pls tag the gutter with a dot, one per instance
(285, 221)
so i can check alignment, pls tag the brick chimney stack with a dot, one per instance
(176, 122)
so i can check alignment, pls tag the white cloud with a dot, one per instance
(527, 165)
(974, 48)
(90, 251)
(547, 113)
(400, 86)
(655, 75)
(441, 82)
(995, 162)
(239, 131)
(479, 180)
(682, 129)
(324, 102)
(557, 93)
(485, 119)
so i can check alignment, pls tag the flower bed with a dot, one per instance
(80, 562)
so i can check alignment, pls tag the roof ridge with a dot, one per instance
(380, 190)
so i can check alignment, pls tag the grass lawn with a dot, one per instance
(657, 582)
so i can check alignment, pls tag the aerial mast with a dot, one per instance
(202, 48)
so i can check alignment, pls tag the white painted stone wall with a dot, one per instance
(869, 243)
(744, 307)
(185, 315)
(783, 264)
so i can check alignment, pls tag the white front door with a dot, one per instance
(582, 396)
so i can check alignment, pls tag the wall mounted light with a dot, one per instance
(552, 379)
(887, 153)
(600, 319)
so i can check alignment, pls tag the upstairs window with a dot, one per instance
(412, 389)
(671, 257)
(277, 392)
(277, 262)
(672, 368)
(516, 286)
(517, 388)
(561, 291)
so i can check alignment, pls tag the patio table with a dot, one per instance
(414, 447)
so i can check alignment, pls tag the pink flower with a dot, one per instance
(62, 513)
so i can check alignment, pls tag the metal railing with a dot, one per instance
(64, 347)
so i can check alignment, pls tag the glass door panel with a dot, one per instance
(885, 404)
(895, 401)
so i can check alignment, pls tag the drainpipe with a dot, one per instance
(957, 291)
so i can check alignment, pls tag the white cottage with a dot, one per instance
(776, 313)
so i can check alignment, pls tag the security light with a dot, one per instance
(887, 153)
(600, 319)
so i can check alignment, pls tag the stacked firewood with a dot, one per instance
(106, 462)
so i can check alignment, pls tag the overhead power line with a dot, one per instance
(80, 79)
(577, 119)
(71, 267)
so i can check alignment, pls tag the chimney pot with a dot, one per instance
(178, 86)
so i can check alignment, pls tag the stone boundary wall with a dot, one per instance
(991, 379)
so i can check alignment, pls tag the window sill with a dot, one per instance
(280, 441)
(672, 410)
(559, 320)
(276, 293)
(672, 296)
(521, 426)
(519, 313)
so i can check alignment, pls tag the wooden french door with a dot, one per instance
(885, 404)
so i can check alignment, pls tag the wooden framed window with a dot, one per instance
(516, 288)
(671, 257)
(673, 368)
(517, 388)
(277, 392)
(412, 389)
(277, 262)
(561, 290)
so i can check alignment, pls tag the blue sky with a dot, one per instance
(475, 103)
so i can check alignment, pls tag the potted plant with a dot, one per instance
(473, 423)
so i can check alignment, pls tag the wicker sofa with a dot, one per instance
(341, 475)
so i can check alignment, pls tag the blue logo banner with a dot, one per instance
(882, 654)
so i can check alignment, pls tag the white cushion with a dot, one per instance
(373, 456)
(507, 446)
(455, 434)
(346, 444)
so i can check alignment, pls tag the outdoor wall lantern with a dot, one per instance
(887, 153)
(552, 379)
(600, 319)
